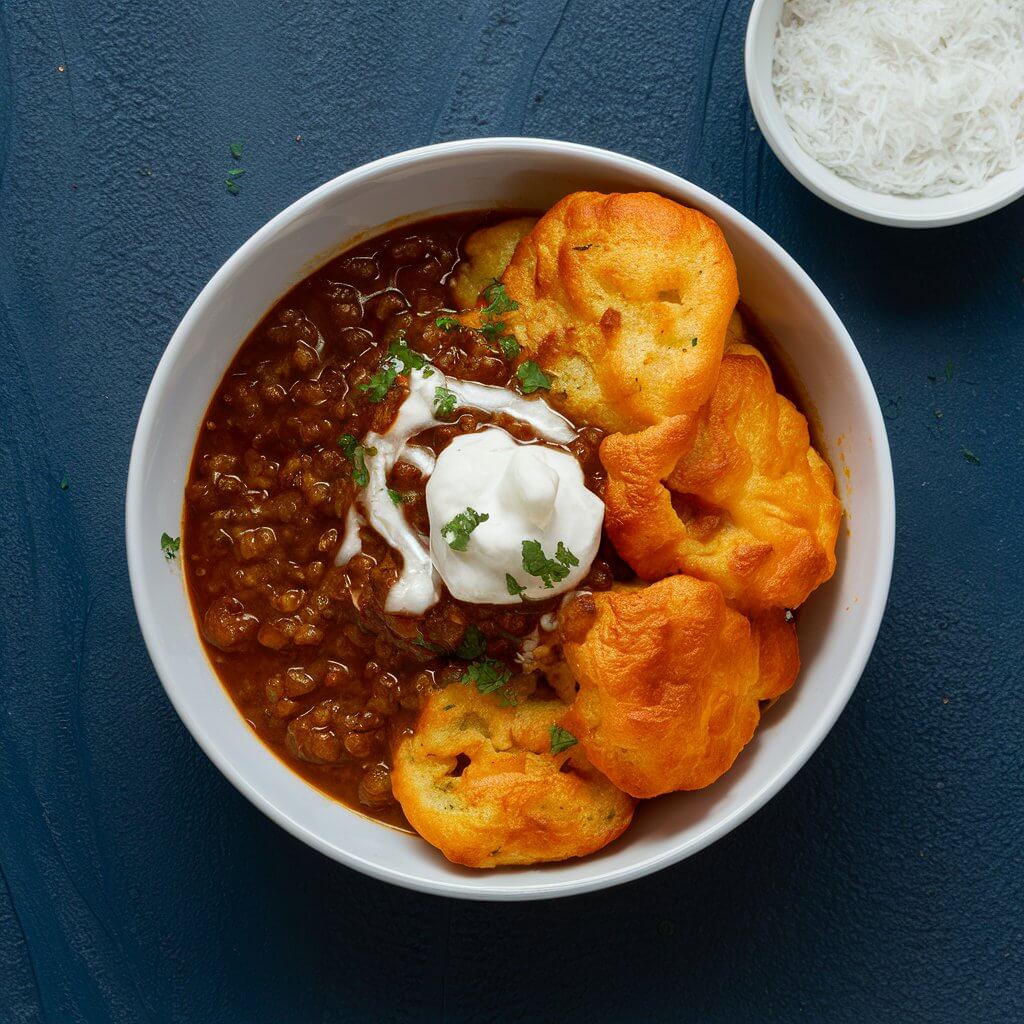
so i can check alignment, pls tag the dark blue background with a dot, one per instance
(885, 883)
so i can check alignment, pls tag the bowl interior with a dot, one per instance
(838, 625)
(904, 211)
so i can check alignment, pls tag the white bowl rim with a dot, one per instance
(877, 207)
(873, 604)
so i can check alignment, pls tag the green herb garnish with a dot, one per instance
(65, 483)
(473, 644)
(231, 187)
(693, 343)
(949, 371)
(445, 401)
(236, 150)
(236, 172)
(497, 300)
(398, 497)
(532, 378)
(561, 739)
(170, 546)
(408, 358)
(447, 323)
(461, 526)
(549, 570)
(356, 454)
(513, 585)
(970, 456)
(509, 347)
(380, 384)
(489, 676)
(420, 641)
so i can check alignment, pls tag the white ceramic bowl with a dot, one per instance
(896, 211)
(837, 626)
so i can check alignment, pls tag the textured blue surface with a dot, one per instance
(886, 881)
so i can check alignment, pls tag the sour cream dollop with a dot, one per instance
(528, 492)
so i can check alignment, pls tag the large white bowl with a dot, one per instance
(837, 626)
(896, 211)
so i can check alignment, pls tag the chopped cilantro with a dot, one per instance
(949, 371)
(408, 358)
(170, 546)
(445, 401)
(561, 739)
(532, 378)
(489, 676)
(461, 526)
(380, 384)
(515, 588)
(446, 323)
(509, 347)
(549, 570)
(65, 483)
(236, 172)
(236, 150)
(473, 644)
(356, 454)
(398, 497)
(970, 456)
(231, 187)
(420, 641)
(497, 300)
(693, 343)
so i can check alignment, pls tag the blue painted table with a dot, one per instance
(884, 883)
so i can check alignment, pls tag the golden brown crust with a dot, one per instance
(669, 683)
(487, 253)
(612, 290)
(749, 504)
(479, 782)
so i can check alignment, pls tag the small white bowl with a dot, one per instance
(896, 211)
(837, 626)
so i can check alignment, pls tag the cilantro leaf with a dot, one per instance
(561, 739)
(421, 641)
(514, 587)
(236, 150)
(497, 300)
(461, 526)
(408, 358)
(170, 546)
(970, 456)
(473, 644)
(549, 570)
(446, 323)
(490, 676)
(356, 454)
(445, 401)
(232, 187)
(693, 343)
(65, 483)
(380, 384)
(509, 347)
(397, 496)
(532, 378)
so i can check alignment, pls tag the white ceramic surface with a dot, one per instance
(837, 626)
(897, 211)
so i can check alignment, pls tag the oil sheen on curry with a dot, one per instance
(496, 525)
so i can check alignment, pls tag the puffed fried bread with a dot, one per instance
(670, 679)
(487, 253)
(479, 781)
(624, 299)
(735, 495)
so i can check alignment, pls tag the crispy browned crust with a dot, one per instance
(735, 495)
(612, 291)
(487, 253)
(669, 682)
(514, 802)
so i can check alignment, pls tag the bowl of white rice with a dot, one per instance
(903, 112)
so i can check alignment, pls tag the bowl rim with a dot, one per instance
(873, 602)
(877, 207)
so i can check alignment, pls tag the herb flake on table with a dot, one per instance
(549, 570)
(65, 483)
(458, 529)
(970, 456)
(561, 739)
(235, 149)
(532, 378)
(170, 546)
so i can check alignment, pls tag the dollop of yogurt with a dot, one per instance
(528, 492)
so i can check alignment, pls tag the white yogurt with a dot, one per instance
(529, 493)
(418, 586)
